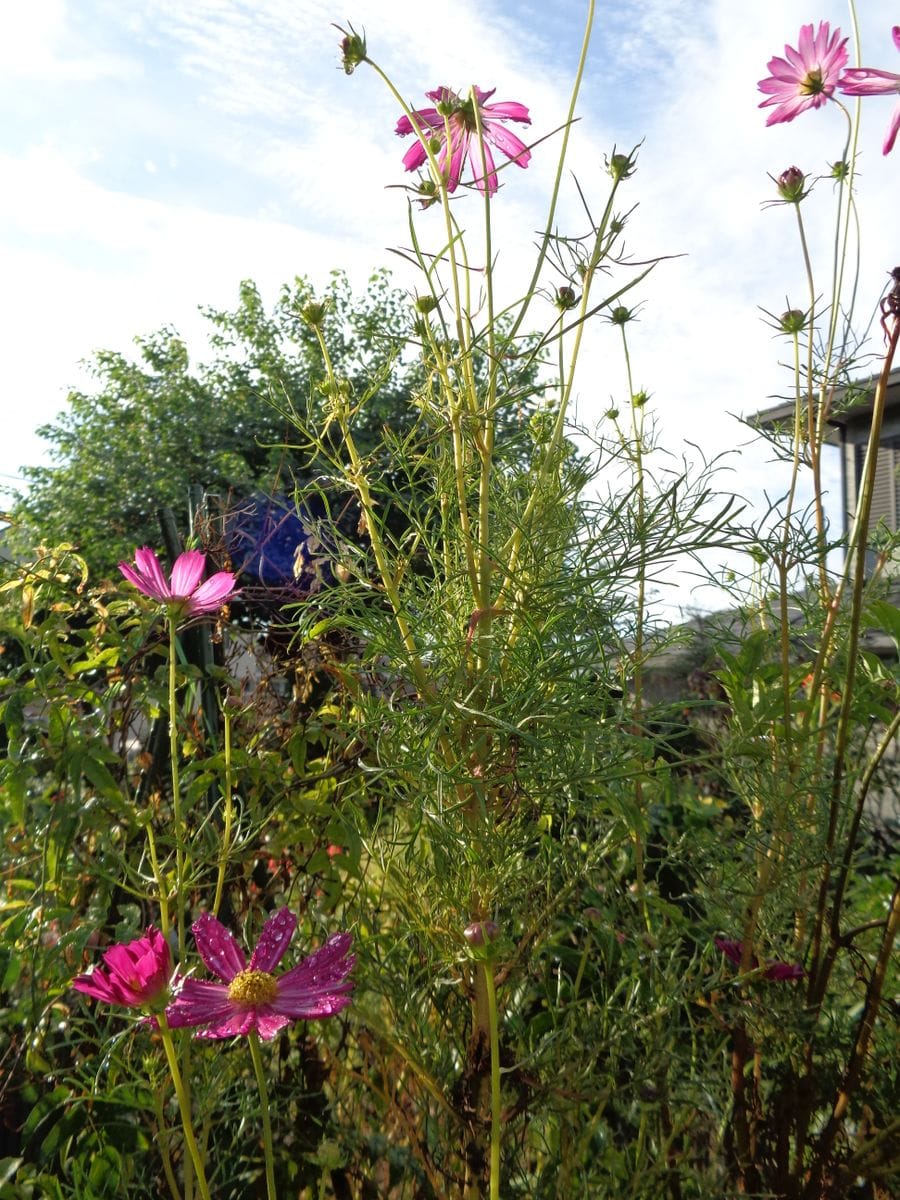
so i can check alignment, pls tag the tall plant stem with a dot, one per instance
(260, 1073)
(176, 788)
(496, 1129)
(228, 817)
(184, 1108)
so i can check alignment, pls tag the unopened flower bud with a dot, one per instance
(639, 399)
(566, 298)
(313, 313)
(426, 304)
(840, 170)
(790, 184)
(792, 321)
(620, 315)
(353, 49)
(481, 933)
(620, 166)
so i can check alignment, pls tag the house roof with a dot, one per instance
(851, 411)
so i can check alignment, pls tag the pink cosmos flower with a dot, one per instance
(251, 997)
(866, 81)
(805, 77)
(133, 974)
(463, 139)
(776, 972)
(185, 592)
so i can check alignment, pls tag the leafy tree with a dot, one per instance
(157, 424)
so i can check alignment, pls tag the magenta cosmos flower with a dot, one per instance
(251, 997)
(866, 81)
(185, 592)
(805, 77)
(463, 135)
(776, 972)
(134, 974)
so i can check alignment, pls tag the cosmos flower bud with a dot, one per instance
(481, 933)
(566, 298)
(313, 313)
(793, 321)
(790, 184)
(620, 315)
(353, 49)
(620, 166)
(426, 304)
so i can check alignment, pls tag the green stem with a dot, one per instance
(228, 817)
(494, 1030)
(259, 1069)
(176, 788)
(184, 1106)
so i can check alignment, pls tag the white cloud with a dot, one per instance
(30, 39)
(277, 164)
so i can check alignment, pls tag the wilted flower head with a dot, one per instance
(184, 594)
(251, 997)
(777, 971)
(134, 974)
(867, 81)
(454, 114)
(807, 76)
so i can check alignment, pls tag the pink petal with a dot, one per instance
(893, 128)
(510, 109)
(513, 147)
(415, 156)
(218, 949)
(324, 971)
(457, 158)
(236, 1023)
(273, 941)
(199, 1001)
(443, 95)
(779, 971)
(477, 167)
(312, 1005)
(268, 1023)
(866, 81)
(895, 34)
(211, 595)
(187, 572)
(146, 575)
(481, 96)
(148, 565)
(428, 118)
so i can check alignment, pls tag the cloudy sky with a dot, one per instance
(153, 153)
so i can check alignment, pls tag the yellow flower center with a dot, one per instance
(252, 988)
(812, 83)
